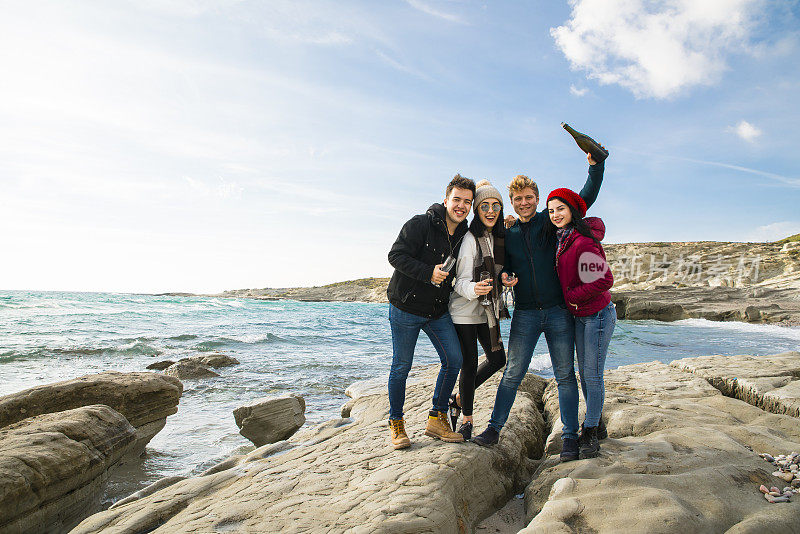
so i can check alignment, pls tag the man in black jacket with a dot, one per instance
(419, 292)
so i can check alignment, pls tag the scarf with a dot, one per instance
(562, 235)
(486, 262)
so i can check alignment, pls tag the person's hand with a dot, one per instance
(510, 220)
(508, 281)
(590, 158)
(438, 275)
(483, 287)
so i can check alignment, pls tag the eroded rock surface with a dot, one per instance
(213, 360)
(160, 365)
(53, 467)
(189, 370)
(145, 399)
(769, 382)
(272, 419)
(344, 477)
(680, 457)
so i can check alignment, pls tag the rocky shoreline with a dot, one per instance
(60, 442)
(687, 451)
(718, 281)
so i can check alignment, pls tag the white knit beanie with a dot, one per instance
(484, 190)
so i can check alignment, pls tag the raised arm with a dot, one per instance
(593, 182)
(406, 248)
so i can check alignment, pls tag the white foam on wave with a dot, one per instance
(540, 362)
(785, 332)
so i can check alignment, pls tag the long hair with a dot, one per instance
(477, 227)
(577, 222)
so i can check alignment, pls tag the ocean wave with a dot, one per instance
(540, 362)
(786, 332)
(183, 337)
(251, 339)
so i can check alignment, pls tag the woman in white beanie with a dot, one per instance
(475, 321)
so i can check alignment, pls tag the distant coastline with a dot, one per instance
(718, 281)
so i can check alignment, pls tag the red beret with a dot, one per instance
(570, 197)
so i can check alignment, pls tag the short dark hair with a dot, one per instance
(461, 183)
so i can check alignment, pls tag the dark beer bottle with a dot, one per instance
(587, 144)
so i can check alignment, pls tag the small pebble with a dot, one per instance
(767, 457)
(773, 488)
(763, 489)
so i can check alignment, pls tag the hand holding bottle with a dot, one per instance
(509, 281)
(438, 275)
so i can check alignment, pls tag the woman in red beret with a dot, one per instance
(585, 278)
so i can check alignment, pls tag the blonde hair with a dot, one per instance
(520, 182)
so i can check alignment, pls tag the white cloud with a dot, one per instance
(746, 131)
(577, 92)
(401, 66)
(425, 8)
(773, 232)
(654, 49)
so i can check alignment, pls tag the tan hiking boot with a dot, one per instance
(439, 427)
(399, 437)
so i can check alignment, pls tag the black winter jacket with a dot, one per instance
(423, 243)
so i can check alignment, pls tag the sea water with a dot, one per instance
(312, 349)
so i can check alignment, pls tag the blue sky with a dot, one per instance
(205, 145)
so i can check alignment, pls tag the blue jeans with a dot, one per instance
(558, 326)
(592, 337)
(405, 331)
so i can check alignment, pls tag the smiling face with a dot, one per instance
(458, 204)
(525, 201)
(559, 213)
(489, 212)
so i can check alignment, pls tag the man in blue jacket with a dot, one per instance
(539, 308)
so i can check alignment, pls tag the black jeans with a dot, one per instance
(472, 375)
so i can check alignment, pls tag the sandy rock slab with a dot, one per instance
(270, 419)
(343, 476)
(770, 382)
(680, 457)
(144, 399)
(53, 467)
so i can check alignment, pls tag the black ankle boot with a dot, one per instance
(465, 430)
(487, 438)
(602, 431)
(589, 446)
(569, 449)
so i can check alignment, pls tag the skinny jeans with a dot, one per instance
(592, 338)
(405, 332)
(473, 375)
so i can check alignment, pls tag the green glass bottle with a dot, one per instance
(587, 144)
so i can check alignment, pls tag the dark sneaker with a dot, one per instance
(569, 449)
(487, 438)
(589, 447)
(465, 430)
(455, 411)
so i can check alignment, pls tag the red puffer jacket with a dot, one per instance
(584, 273)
